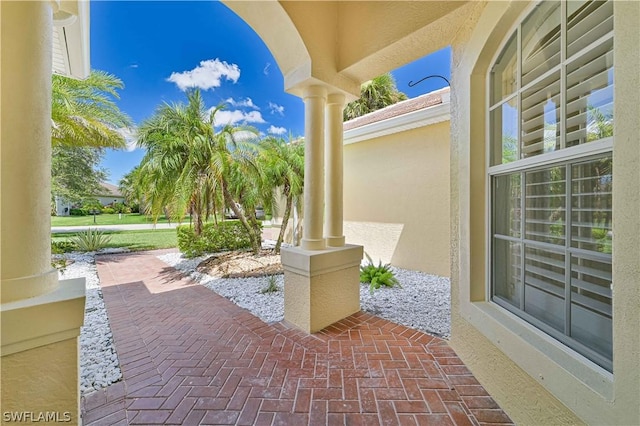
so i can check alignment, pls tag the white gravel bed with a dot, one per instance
(422, 303)
(99, 364)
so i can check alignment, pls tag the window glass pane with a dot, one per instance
(506, 205)
(591, 205)
(545, 205)
(507, 271)
(503, 75)
(591, 303)
(544, 286)
(504, 136)
(540, 41)
(590, 96)
(541, 117)
(587, 22)
(552, 222)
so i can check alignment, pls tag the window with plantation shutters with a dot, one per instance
(550, 165)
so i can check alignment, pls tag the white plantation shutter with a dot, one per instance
(540, 41)
(540, 116)
(551, 192)
(589, 93)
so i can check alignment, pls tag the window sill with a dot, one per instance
(552, 364)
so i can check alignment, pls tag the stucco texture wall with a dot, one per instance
(42, 380)
(396, 198)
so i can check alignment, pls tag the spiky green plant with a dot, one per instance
(377, 276)
(272, 285)
(91, 240)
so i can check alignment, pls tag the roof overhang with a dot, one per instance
(425, 116)
(71, 39)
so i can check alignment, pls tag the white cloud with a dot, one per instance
(134, 65)
(130, 135)
(223, 117)
(266, 68)
(207, 75)
(276, 109)
(244, 135)
(276, 130)
(247, 102)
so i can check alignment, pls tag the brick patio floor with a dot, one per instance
(191, 357)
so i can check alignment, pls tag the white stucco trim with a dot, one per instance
(71, 54)
(44, 319)
(412, 120)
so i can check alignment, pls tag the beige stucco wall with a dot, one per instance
(396, 198)
(522, 368)
(42, 381)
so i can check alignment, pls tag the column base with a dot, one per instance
(40, 354)
(315, 244)
(321, 286)
(335, 241)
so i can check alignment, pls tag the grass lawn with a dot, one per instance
(105, 219)
(148, 239)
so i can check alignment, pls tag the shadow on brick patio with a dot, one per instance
(190, 356)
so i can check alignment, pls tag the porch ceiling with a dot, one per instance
(344, 43)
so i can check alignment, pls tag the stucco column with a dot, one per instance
(333, 170)
(40, 316)
(26, 150)
(314, 102)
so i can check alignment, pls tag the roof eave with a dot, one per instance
(71, 43)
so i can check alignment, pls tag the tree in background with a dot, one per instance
(189, 166)
(131, 190)
(375, 94)
(282, 164)
(75, 172)
(84, 121)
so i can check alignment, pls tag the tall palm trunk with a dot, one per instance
(197, 217)
(285, 222)
(256, 241)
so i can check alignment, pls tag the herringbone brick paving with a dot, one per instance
(191, 357)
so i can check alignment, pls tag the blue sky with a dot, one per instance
(159, 49)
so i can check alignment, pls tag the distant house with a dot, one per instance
(107, 195)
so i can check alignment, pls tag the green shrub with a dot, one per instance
(108, 210)
(119, 207)
(92, 205)
(91, 240)
(78, 212)
(58, 248)
(227, 235)
(377, 276)
(62, 246)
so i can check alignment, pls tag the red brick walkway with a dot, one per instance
(191, 357)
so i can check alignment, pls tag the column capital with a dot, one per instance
(315, 91)
(336, 99)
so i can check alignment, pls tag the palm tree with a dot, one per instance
(84, 121)
(176, 170)
(83, 112)
(375, 94)
(131, 188)
(191, 167)
(283, 166)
